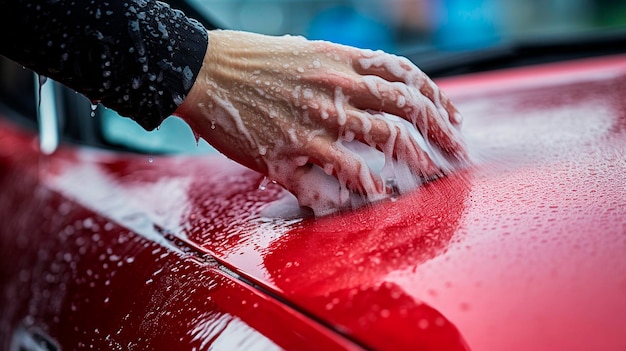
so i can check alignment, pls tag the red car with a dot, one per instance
(104, 247)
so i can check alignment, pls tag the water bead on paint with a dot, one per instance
(264, 183)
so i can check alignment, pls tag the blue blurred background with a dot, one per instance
(401, 25)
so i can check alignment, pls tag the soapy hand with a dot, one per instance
(306, 114)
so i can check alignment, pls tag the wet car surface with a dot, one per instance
(521, 251)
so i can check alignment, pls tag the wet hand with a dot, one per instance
(293, 110)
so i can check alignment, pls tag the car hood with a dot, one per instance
(522, 250)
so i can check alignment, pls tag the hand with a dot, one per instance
(290, 108)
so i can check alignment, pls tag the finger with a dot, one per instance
(406, 148)
(369, 128)
(392, 68)
(392, 136)
(410, 104)
(348, 167)
(389, 67)
(440, 100)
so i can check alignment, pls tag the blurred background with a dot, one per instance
(408, 25)
(442, 37)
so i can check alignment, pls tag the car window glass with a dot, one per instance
(17, 91)
(173, 136)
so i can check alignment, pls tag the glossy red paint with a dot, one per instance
(521, 251)
(74, 276)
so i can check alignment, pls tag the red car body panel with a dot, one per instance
(524, 250)
(72, 275)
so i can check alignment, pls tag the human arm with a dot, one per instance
(139, 58)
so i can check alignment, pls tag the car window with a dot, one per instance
(173, 136)
(17, 92)
(105, 128)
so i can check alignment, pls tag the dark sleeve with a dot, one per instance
(137, 57)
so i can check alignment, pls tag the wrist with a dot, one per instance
(188, 109)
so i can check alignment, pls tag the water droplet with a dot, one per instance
(94, 107)
(197, 137)
(391, 188)
(264, 183)
(423, 323)
(440, 322)
(150, 159)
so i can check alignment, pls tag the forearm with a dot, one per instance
(139, 58)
